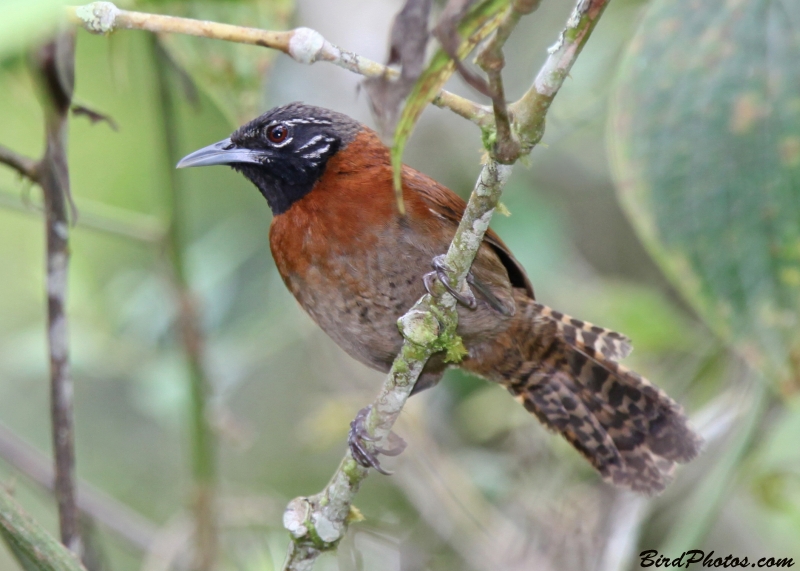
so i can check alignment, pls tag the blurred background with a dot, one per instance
(482, 486)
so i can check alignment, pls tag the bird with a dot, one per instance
(356, 264)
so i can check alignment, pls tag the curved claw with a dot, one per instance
(465, 297)
(357, 439)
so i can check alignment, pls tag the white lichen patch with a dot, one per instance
(469, 242)
(58, 338)
(556, 46)
(65, 398)
(305, 45)
(61, 229)
(98, 17)
(577, 13)
(419, 327)
(326, 529)
(480, 225)
(57, 275)
(295, 516)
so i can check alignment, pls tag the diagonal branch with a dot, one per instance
(318, 523)
(529, 111)
(301, 44)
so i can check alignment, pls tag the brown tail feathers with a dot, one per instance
(564, 371)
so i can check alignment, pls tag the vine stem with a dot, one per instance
(55, 63)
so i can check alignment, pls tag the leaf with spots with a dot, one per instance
(705, 133)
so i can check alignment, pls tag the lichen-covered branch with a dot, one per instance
(54, 66)
(301, 44)
(29, 541)
(529, 111)
(317, 523)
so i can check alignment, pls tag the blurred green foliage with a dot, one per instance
(706, 132)
(232, 74)
(21, 21)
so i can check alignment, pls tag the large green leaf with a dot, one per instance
(706, 135)
(232, 74)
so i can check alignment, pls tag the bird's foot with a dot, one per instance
(441, 270)
(362, 444)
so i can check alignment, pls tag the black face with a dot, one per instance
(283, 152)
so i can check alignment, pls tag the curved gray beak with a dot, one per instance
(222, 153)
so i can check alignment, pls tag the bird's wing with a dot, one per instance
(450, 206)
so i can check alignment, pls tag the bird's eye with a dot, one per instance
(277, 133)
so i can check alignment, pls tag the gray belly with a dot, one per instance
(360, 312)
(358, 299)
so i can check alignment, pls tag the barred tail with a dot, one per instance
(582, 334)
(631, 431)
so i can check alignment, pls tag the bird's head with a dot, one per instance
(283, 152)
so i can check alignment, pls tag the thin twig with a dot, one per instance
(25, 166)
(301, 44)
(127, 524)
(204, 470)
(506, 147)
(55, 63)
(99, 217)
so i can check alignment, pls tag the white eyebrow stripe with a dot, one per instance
(312, 141)
(307, 121)
(318, 153)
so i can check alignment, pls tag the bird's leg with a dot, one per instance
(440, 271)
(365, 453)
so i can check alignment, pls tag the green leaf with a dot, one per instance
(233, 75)
(705, 133)
(23, 22)
(479, 22)
(32, 546)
